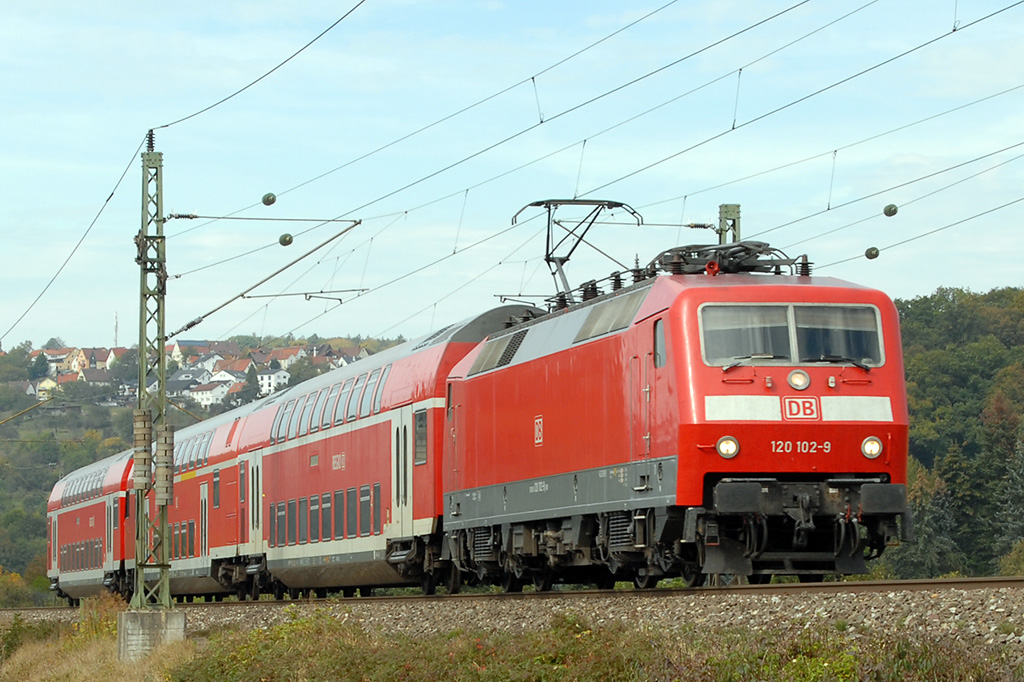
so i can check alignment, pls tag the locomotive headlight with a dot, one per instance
(799, 379)
(727, 447)
(871, 447)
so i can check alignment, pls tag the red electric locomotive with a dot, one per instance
(730, 415)
(721, 419)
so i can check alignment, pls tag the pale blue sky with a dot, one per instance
(82, 84)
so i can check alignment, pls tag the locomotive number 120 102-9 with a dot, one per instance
(809, 447)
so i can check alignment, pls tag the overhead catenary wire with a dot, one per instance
(909, 202)
(799, 100)
(930, 232)
(455, 113)
(762, 116)
(591, 136)
(78, 244)
(844, 147)
(265, 75)
(558, 115)
(96, 218)
(887, 189)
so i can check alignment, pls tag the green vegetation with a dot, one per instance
(325, 645)
(964, 355)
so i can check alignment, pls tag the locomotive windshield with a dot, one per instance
(794, 334)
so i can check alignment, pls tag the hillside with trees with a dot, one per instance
(964, 355)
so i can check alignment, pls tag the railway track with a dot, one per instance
(838, 587)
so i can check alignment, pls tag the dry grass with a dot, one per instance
(92, 661)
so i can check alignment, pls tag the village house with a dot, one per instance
(272, 379)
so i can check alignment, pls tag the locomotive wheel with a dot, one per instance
(605, 582)
(453, 581)
(759, 579)
(428, 583)
(278, 590)
(349, 592)
(510, 583)
(365, 591)
(693, 577)
(645, 580)
(543, 581)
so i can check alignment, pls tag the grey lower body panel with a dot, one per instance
(335, 570)
(635, 485)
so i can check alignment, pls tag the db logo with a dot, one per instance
(538, 430)
(800, 408)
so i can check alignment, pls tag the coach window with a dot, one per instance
(181, 454)
(339, 514)
(376, 509)
(659, 344)
(364, 510)
(314, 518)
(380, 389)
(282, 426)
(307, 410)
(420, 437)
(216, 489)
(278, 418)
(353, 510)
(191, 538)
(293, 425)
(353, 400)
(367, 401)
(325, 515)
(186, 448)
(328, 410)
(318, 409)
(281, 539)
(193, 452)
(303, 521)
(290, 520)
(339, 411)
(273, 526)
(207, 442)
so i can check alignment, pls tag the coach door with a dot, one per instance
(111, 526)
(401, 476)
(204, 519)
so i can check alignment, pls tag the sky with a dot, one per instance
(432, 124)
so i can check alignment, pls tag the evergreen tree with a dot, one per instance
(1011, 505)
(935, 553)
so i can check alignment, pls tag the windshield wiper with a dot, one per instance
(740, 359)
(835, 359)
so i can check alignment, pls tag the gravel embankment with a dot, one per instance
(991, 616)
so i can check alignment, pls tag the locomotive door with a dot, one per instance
(640, 378)
(401, 472)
